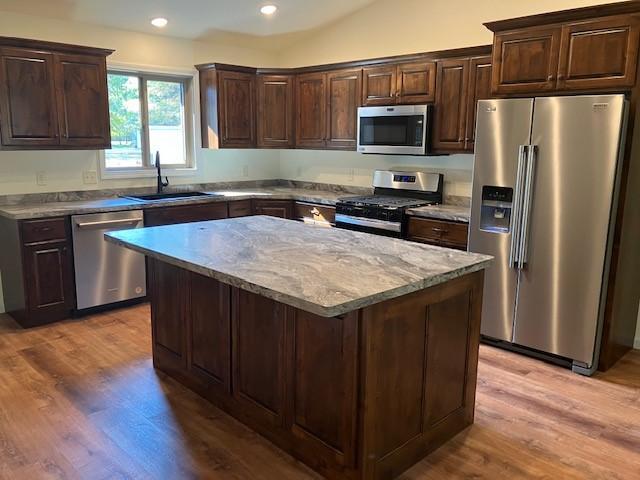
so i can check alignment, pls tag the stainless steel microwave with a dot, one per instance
(394, 130)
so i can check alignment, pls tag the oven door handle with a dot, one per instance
(368, 222)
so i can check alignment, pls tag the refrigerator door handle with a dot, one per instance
(523, 250)
(516, 223)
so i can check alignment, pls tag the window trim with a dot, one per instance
(189, 79)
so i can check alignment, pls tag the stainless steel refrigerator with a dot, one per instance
(545, 183)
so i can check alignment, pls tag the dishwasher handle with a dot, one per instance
(108, 224)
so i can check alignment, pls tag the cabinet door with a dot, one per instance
(236, 108)
(83, 101)
(311, 94)
(525, 61)
(273, 208)
(599, 54)
(275, 111)
(344, 89)
(449, 129)
(48, 280)
(27, 98)
(210, 332)
(479, 89)
(416, 83)
(258, 333)
(185, 214)
(379, 85)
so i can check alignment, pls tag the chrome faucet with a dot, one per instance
(161, 184)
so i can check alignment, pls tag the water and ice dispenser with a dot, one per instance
(497, 208)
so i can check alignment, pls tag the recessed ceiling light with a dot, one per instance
(268, 9)
(159, 22)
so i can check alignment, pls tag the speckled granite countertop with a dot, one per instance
(316, 269)
(25, 211)
(453, 213)
(51, 209)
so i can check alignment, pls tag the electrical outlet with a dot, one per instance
(245, 171)
(89, 177)
(352, 174)
(41, 178)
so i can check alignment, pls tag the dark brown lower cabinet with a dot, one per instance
(185, 214)
(361, 396)
(438, 232)
(36, 262)
(273, 208)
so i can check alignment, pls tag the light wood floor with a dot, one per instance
(80, 399)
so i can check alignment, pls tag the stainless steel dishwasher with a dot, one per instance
(106, 273)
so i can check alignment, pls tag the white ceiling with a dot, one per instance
(194, 19)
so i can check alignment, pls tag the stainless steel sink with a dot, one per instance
(159, 197)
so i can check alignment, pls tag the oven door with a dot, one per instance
(400, 130)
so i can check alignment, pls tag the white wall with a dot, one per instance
(64, 169)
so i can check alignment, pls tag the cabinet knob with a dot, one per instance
(315, 211)
(550, 77)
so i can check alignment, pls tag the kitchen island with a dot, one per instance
(355, 353)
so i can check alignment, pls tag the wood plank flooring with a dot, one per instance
(81, 400)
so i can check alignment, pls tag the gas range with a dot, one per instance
(384, 211)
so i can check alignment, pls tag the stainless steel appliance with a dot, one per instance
(399, 130)
(106, 273)
(384, 211)
(544, 195)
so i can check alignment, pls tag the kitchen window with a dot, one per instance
(149, 113)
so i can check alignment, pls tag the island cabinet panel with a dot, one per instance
(276, 117)
(343, 98)
(83, 105)
(259, 356)
(210, 331)
(360, 396)
(169, 286)
(526, 60)
(601, 53)
(28, 115)
(323, 404)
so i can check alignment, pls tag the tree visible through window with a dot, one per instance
(147, 115)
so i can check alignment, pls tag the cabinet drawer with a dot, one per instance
(240, 208)
(438, 232)
(44, 230)
(185, 214)
(311, 212)
(274, 208)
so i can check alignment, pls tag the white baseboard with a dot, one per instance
(636, 344)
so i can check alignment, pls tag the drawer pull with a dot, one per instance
(315, 211)
(439, 230)
(44, 229)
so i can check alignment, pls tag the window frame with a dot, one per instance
(188, 78)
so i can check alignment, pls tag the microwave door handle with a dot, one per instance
(523, 253)
(516, 223)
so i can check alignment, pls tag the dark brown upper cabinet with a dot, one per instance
(311, 104)
(53, 96)
(479, 89)
(227, 106)
(237, 109)
(450, 116)
(344, 89)
(83, 101)
(405, 83)
(577, 50)
(461, 83)
(600, 53)
(526, 60)
(276, 116)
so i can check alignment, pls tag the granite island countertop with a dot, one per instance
(327, 272)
